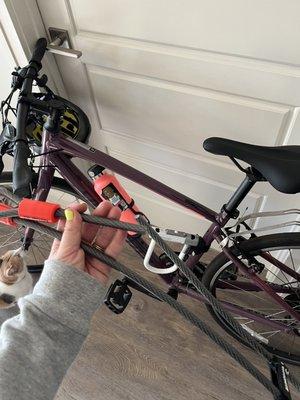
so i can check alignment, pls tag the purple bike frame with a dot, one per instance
(57, 151)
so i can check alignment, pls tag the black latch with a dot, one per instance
(279, 374)
(118, 296)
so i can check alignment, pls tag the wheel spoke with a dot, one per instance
(226, 287)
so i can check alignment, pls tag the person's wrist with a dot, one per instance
(66, 261)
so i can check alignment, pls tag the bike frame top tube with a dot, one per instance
(58, 149)
(76, 149)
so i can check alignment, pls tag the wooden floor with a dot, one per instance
(149, 352)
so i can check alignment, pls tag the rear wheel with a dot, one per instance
(11, 237)
(221, 272)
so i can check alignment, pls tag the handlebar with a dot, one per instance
(22, 174)
(38, 52)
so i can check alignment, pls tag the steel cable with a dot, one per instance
(180, 308)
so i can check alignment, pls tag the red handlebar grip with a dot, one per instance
(38, 210)
(6, 220)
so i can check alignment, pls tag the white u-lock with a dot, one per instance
(161, 271)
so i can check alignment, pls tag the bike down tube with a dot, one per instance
(75, 178)
(259, 282)
(46, 173)
(88, 153)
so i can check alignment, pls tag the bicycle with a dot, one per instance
(240, 277)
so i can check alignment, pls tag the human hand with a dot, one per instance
(68, 249)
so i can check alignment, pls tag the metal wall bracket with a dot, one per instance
(61, 43)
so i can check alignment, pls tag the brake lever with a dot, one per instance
(42, 105)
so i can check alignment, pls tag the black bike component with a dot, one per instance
(41, 105)
(22, 172)
(293, 299)
(8, 133)
(231, 206)
(18, 77)
(118, 296)
(7, 138)
(233, 214)
(42, 80)
(199, 269)
(95, 170)
(256, 266)
(1, 165)
(276, 164)
(38, 53)
(201, 247)
(52, 122)
(279, 378)
(229, 274)
(245, 170)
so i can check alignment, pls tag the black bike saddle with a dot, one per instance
(278, 165)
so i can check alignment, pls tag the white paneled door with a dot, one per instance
(158, 77)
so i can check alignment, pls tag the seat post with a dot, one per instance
(240, 193)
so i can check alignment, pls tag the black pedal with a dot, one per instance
(118, 296)
(279, 374)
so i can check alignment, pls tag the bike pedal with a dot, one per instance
(118, 297)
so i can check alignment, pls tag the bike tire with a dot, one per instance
(251, 247)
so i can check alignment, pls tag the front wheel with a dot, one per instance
(222, 279)
(11, 237)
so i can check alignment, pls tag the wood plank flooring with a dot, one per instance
(149, 352)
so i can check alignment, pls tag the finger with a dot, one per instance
(103, 208)
(71, 237)
(90, 230)
(55, 245)
(117, 243)
(113, 250)
(106, 234)
(80, 207)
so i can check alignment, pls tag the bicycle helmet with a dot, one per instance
(74, 122)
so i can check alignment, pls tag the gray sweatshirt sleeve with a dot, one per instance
(38, 345)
